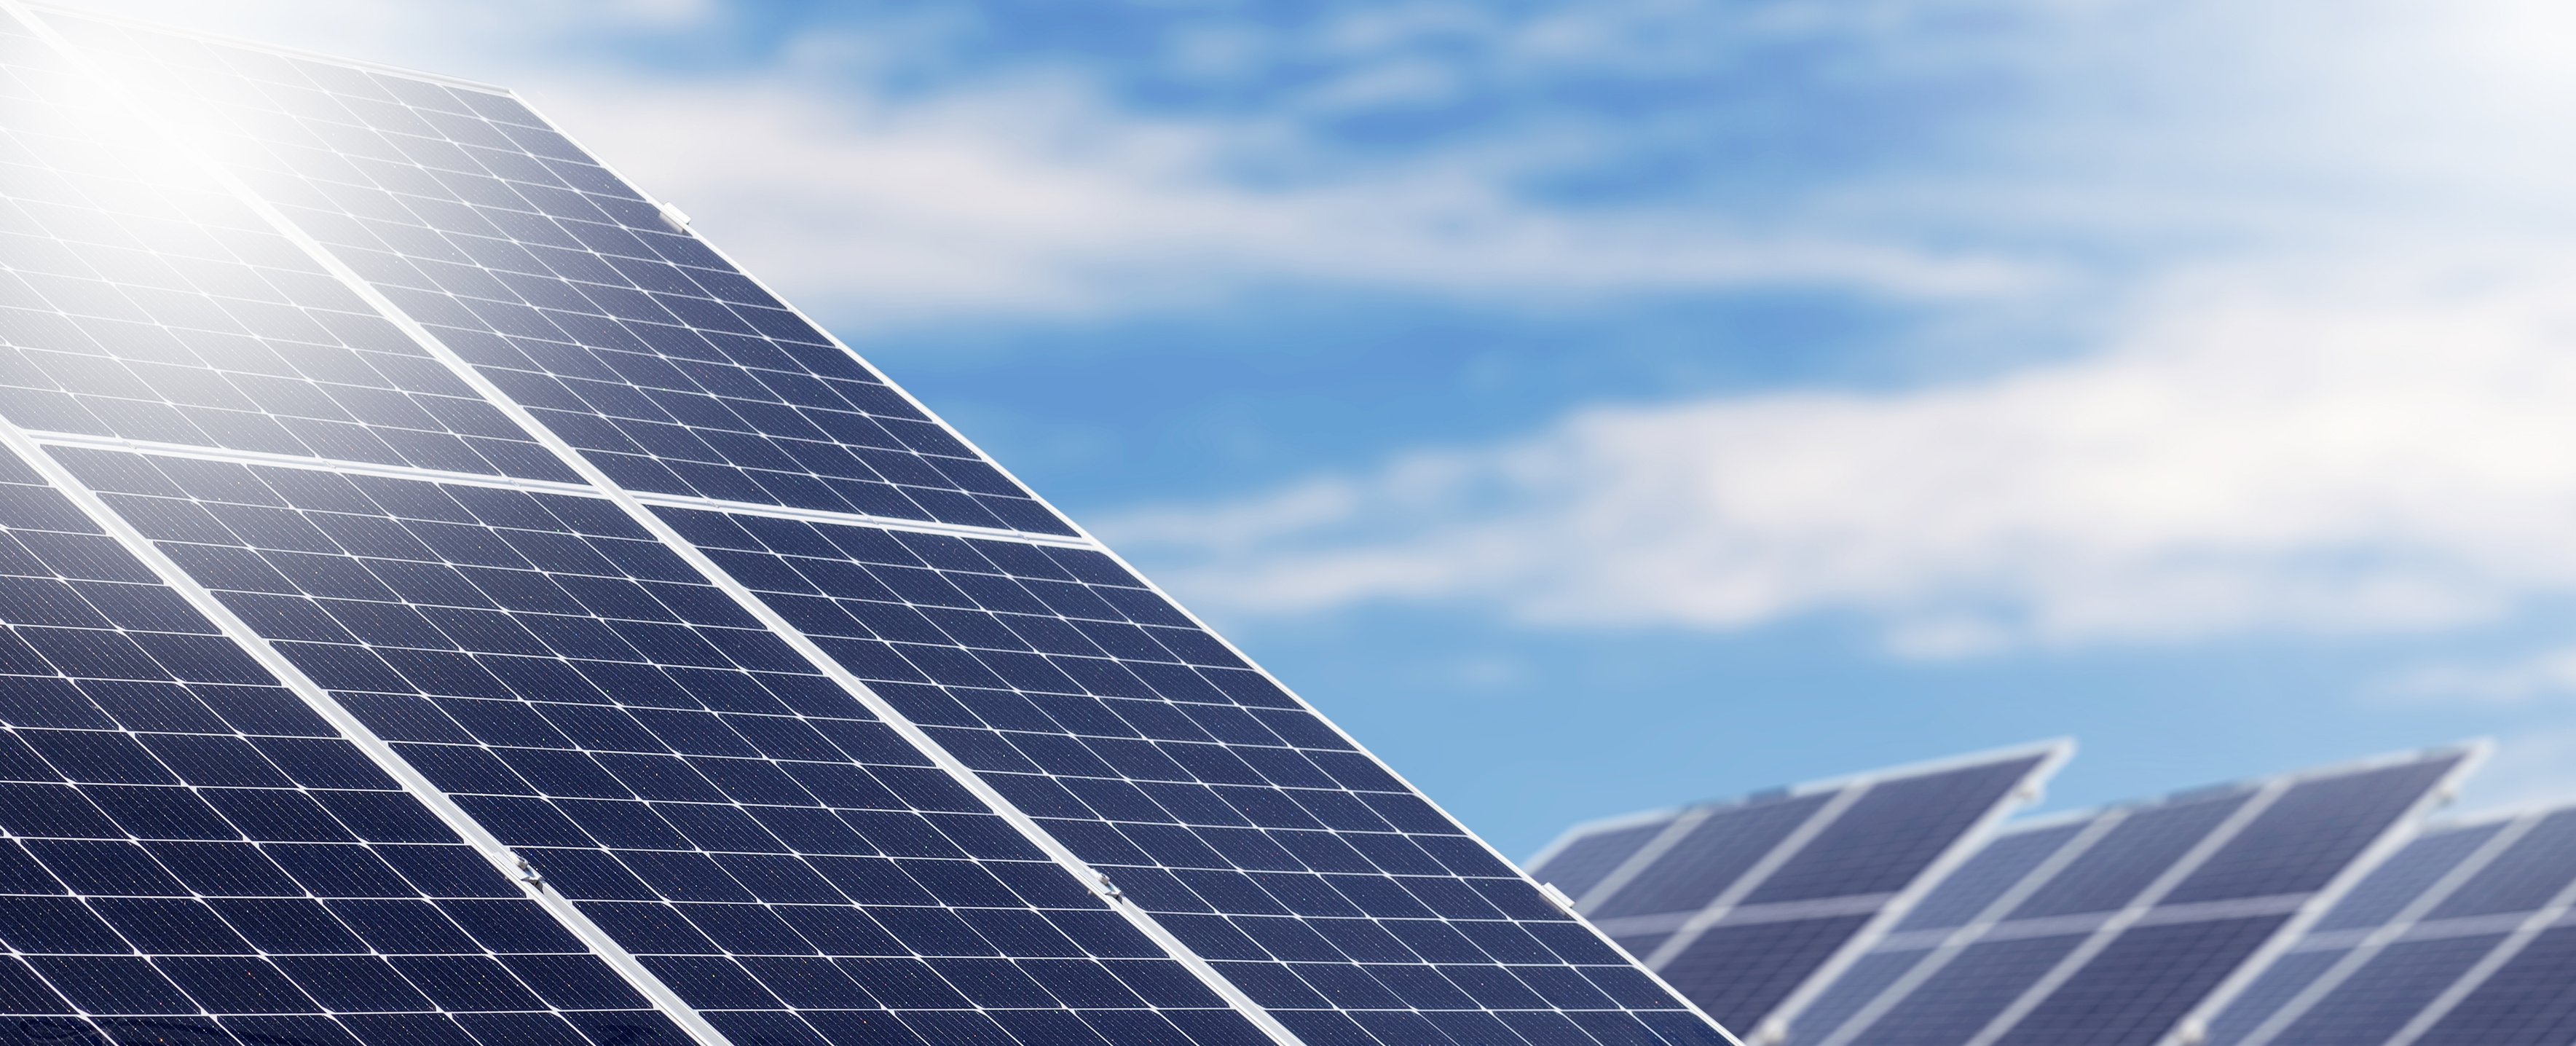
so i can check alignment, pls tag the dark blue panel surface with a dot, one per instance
(2135, 990)
(1986, 876)
(1892, 833)
(2386, 992)
(2523, 1003)
(2281, 980)
(2404, 877)
(2525, 877)
(567, 288)
(1857, 986)
(139, 299)
(1307, 872)
(1953, 1005)
(2310, 834)
(1718, 850)
(1737, 974)
(2142, 846)
(722, 810)
(1580, 865)
(190, 847)
(2149, 974)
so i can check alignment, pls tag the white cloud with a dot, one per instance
(1027, 192)
(2530, 768)
(1032, 198)
(2257, 451)
(2545, 673)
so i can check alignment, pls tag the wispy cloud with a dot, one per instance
(2544, 673)
(1032, 191)
(2255, 452)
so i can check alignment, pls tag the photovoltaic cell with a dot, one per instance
(569, 289)
(1710, 855)
(1739, 905)
(2146, 910)
(141, 301)
(1580, 864)
(2441, 943)
(1311, 877)
(192, 851)
(787, 863)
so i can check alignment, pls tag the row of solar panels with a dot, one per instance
(2312, 909)
(443, 602)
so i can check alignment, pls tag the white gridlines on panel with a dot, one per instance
(634, 504)
(2413, 922)
(1841, 792)
(2101, 929)
(805, 644)
(600, 485)
(2030, 792)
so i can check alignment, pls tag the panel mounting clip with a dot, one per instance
(1557, 895)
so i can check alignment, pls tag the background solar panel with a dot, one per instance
(730, 816)
(1318, 882)
(192, 850)
(142, 301)
(2116, 927)
(592, 307)
(2443, 942)
(1738, 905)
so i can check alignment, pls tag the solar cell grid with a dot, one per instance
(1892, 832)
(2524, 1002)
(1721, 846)
(586, 302)
(728, 815)
(2403, 878)
(2525, 877)
(1581, 863)
(2416, 946)
(1995, 868)
(2142, 957)
(2383, 995)
(2111, 872)
(2141, 984)
(547, 676)
(141, 301)
(2281, 981)
(191, 848)
(1306, 873)
(1748, 969)
(1963, 995)
(1748, 907)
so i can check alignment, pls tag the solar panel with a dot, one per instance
(590, 305)
(609, 657)
(2120, 926)
(142, 302)
(2454, 939)
(192, 851)
(1742, 905)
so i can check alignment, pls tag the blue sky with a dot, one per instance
(1595, 406)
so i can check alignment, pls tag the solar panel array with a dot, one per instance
(2462, 937)
(2115, 927)
(1739, 904)
(446, 602)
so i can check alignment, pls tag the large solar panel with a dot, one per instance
(2455, 939)
(2117, 927)
(447, 603)
(1741, 904)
